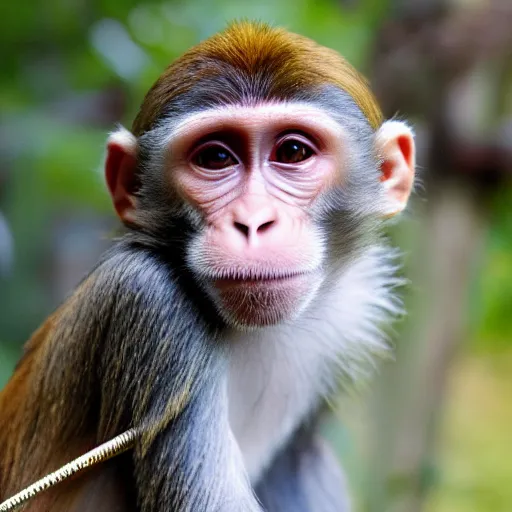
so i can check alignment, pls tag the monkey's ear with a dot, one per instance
(120, 173)
(395, 146)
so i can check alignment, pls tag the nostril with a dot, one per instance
(265, 226)
(242, 228)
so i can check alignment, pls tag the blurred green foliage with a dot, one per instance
(492, 297)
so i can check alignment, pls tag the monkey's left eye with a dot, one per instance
(292, 151)
(214, 157)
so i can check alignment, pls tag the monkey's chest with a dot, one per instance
(271, 388)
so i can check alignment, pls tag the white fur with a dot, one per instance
(124, 138)
(277, 374)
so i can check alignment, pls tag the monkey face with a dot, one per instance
(279, 194)
(254, 174)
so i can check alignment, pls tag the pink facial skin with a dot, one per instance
(254, 173)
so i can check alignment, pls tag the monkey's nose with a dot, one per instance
(252, 218)
(253, 222)
(253, 230)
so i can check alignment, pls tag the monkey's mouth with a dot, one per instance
(263, 299)
(261, 281)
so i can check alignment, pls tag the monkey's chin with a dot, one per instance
(250, 304)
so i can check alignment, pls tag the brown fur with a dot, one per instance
(12, 424)
(16, 438)
(29, 450)
(290, 62)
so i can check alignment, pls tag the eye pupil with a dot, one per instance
(214, 157)
(292, 151)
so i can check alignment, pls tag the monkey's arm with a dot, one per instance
(176, 369)
(195, 464)
(128, 350)
(304, 477)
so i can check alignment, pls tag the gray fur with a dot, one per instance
(156, 364)
(304, 477)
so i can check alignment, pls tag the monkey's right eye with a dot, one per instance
(214, 157)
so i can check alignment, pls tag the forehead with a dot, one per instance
(252, 62)
(277, 116)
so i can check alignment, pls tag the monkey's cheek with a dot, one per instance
(254, 304)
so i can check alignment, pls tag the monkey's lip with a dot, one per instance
(259, 281)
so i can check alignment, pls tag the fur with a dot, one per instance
(225, 413)
(248, 63)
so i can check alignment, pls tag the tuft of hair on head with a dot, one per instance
(252, 62)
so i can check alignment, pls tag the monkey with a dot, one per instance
(252, 279)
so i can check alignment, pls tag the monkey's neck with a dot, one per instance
(279, 374)
(294, 363)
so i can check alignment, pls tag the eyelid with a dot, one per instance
(300, 136)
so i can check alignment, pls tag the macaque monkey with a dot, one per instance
(253, 278)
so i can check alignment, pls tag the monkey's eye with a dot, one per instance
(214, 157)
(292, 151)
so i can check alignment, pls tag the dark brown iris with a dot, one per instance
(214, 158)
(292, 151)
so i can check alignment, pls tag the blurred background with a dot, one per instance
(434, 432)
